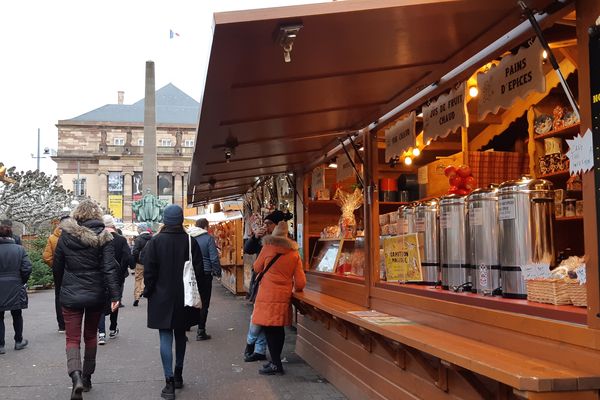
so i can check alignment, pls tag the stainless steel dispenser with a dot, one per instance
(426, 226)
(526, 219)
(482, 217)
(453, 243)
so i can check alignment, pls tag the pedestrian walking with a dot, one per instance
(144, 236)
(48, 257)
(256, 342)
(8, 222)
(85, 267)
(166, 254)
(124, 261)
(212, 267)
(15, 269)
(281, 268)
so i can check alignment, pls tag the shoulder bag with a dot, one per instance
(254, 289)
(190, 284)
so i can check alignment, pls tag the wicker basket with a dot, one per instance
(549, 291)
(577, 293)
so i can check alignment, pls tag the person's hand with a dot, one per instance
(114, 306)
(260, 232)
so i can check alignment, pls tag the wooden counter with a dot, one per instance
(436, 352)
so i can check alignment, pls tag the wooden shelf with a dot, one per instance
(393, 203)
(576, 218)
(572, 130)
(322, 202)
(558, 174)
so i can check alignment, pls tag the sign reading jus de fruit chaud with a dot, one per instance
(446, 114)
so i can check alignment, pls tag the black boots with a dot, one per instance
(271, 369)
(202, 335)
(168, 391)
(178, 378)
(255, 357)
(87, 382)
(248, 350)
(77, 385)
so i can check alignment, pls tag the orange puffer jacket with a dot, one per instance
(273, 301)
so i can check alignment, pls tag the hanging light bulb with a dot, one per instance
(544, 54)
(362, 148)
(428, 142)
(407, 160)
(332, 163)
(416, 152)
(473, 91)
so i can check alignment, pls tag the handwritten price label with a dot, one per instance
(581, 155)
(581, 274)
(535, 271)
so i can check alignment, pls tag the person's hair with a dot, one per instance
(87, 210)
(202, 223)
(6, 222)
(5, 231)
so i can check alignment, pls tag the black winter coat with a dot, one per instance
(122, 255)
(165, 255)
(85, 266)
(138, 245)
(15, 269)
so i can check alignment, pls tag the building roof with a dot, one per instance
(173, 106)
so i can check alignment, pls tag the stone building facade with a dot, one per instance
(100, 153)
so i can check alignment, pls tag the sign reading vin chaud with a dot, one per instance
(446, 114)
(400, 137)
(515, 77)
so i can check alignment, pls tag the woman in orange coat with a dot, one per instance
(273, 305)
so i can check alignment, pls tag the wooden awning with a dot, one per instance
(351, 63)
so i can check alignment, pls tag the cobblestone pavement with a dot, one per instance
(129, 366)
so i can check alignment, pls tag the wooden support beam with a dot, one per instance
(442, 380)
(340, 326)
(464, 136)
(394, 349)
(470, 378)
(363, 335)
(418, 357)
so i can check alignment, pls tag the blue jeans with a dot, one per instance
(166, 349)
(256, 336)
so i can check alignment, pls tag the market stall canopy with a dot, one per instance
(217, 217)
(351, 63)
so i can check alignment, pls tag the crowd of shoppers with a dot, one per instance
(90, 260)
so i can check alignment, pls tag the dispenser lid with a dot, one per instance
(489, 193)
(452, 199)
(526, 185)
(432, 204)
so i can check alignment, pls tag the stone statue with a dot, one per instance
(149, 208)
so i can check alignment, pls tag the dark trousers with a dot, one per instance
(74, 319)
(17, 317)
(58, 308)
(114, 316)
(275, 340)
(205, 289)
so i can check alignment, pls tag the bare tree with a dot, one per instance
(34, 198)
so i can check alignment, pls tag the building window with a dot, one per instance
(79, 187)
(165, 142)
(119, 141)
(188, 143)
(140, 142)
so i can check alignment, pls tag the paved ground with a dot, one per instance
(129, 366)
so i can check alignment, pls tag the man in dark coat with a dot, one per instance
(165, 256)
(124, 262)
(212, 267)
(85, 268)
(256, 342)
(138, 254)
(15, 269)
(8, 222)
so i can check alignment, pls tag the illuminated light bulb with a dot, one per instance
(544, 54)
(428, 142)
(332, 165)
(420, 115)
(407, 160)
(362, 148)
(416, 152)
(473, 91)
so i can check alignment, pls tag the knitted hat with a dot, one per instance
(173, 215)
(108, 221)
(281, 229)
(142, 227)
(277, 216)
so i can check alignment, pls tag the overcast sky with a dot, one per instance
(62, 58)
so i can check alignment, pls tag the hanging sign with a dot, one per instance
(318, 179)
(446, 114)
(400, 137)
(515, 77)
(581, 153)
(344, 166)
(402, 259)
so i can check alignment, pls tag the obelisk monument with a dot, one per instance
(149, 178)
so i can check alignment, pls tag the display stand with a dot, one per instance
(232, 262)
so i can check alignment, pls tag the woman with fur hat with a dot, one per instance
(85, 269)
(273, 305)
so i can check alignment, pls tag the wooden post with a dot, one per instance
(587, 12)
(464, 136)
(371, 213)
(531, 147)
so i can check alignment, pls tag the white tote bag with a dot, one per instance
(191, 296)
